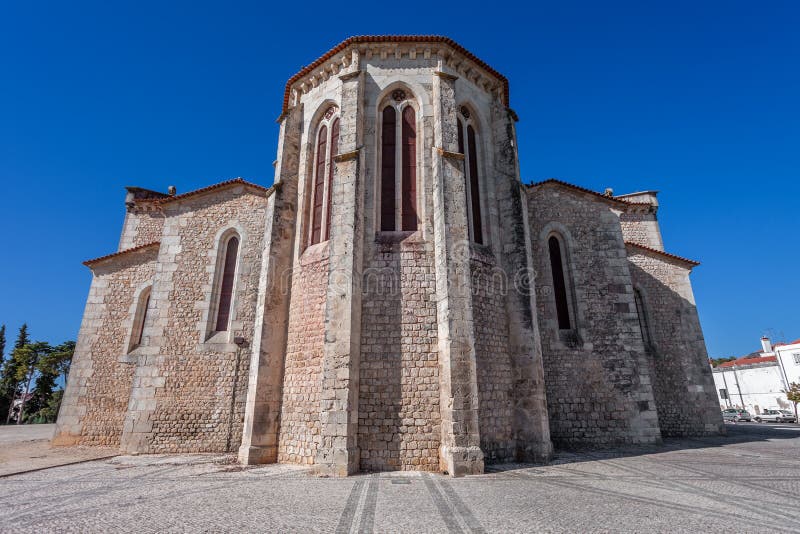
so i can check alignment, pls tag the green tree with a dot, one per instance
(2, 344)
(49, 413)
(27, 360)
(41, 395)
(793, 394)
(58, 361)
(9, 384)
(44, 403)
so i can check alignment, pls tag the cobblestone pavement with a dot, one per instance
(747, 482)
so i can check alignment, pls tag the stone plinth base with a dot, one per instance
(461, 461)
(536, 453)
(337, 463)
(250, 455)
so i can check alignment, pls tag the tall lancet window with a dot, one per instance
(319, 184)
(469, 147)
(398, 198)
(226, 284)
(325, 148)
(559, 284)
(329, 186)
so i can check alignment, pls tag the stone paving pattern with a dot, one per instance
(747, 482)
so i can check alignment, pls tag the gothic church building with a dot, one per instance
(398, 299)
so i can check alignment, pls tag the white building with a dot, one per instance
(758, 381)
(788, 355)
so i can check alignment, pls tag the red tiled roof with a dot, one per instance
(220, 185)
(358, 39)
(748, 361)
(91, 262)
(613, 200)
(795, 342)
(693, 263)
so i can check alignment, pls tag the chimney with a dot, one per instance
(766, 345)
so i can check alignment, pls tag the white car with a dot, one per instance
(775, 416)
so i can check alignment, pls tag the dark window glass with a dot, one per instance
(477, 230)
(334, 152)
(559, 284)
(319, 185)
(409, 191)
(226, 285)
(140, 333)
(387, 169)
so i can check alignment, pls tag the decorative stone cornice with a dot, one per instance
(445, 75)
(423, 48)
(451, 155)
(350, 75)
(347, 156)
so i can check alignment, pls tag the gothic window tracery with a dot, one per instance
(325, 148)
(468, 146)
(398, 152)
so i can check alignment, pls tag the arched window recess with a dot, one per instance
(562, 290)
(325, 148)
(468, 145)
(139, 318)
(398, 153)
(224, 288)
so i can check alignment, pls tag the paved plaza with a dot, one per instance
(746, 482)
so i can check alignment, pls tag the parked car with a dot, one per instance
(776, 416)
(736, 415)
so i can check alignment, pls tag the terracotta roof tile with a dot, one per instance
(662, 253)
(220, 185)
(359, 39)
(748, 361)
(91, 262)
(554, 181)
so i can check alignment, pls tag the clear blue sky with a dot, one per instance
(700, 100)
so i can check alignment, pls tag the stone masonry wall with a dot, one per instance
(189, 389)
(494, 368)
(682, 381)
(597, 375)
(399, 424)
(100, 379)
(141, 226)
(300, 427)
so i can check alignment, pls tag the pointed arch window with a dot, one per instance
(560, 290)
(226, 284)
(467, 145)
(398, 198)
(139, 318)
(325, 148)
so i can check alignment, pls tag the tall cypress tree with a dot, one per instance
(9, 383)
(2, 345)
